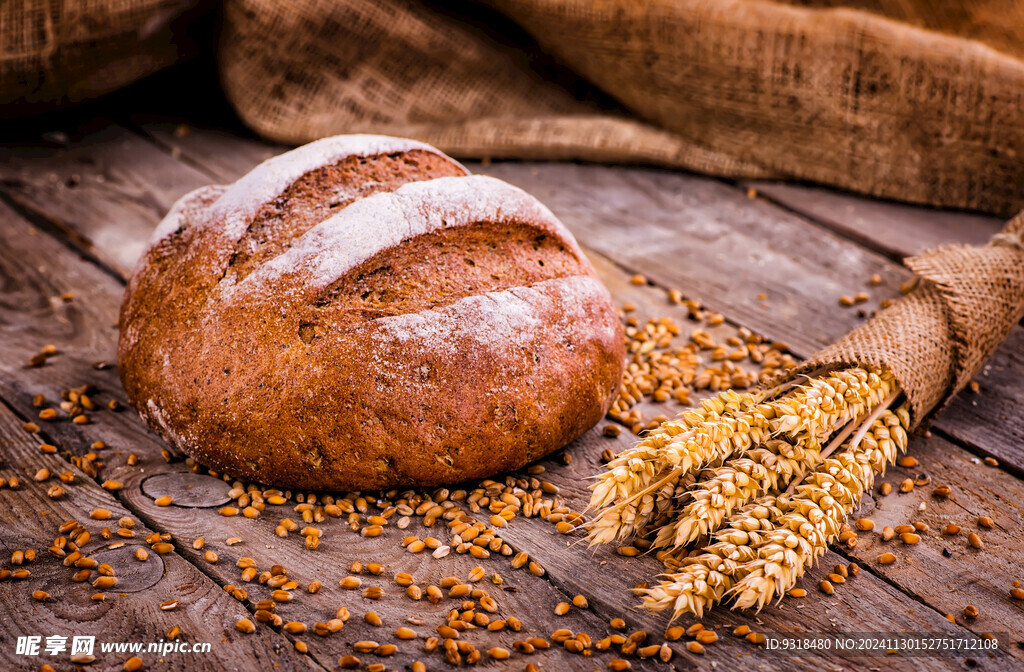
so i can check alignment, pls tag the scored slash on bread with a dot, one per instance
(337, 245)
(362, 313)
(233, 214)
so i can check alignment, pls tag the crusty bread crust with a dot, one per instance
(360, 313)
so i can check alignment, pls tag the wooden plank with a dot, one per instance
(195, 146)
(202, 129)
(944, 570)
(985, 435)
(222, 154)
(131, 611)
(895, 229)
(991, 420)
(96, 180)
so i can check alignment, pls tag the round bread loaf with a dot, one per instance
(361, 313)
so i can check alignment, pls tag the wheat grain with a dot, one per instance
(704, 579)
(815, 514)
(666, 457)
(730, 486)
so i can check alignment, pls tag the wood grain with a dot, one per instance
(963, 575)
(894, 229)
(991, 420)
(131, 611)
(104, 183)
(221, 154)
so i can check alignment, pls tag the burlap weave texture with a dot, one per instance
(58, 52)
(919, 100)
(936, 338)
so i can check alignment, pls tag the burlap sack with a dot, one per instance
(55, 52)
(936, 338)
(920, 100)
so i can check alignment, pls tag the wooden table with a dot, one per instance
(79, 194)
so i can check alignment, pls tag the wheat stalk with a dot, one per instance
(766, 546)
(816, 512)
(667, 455)
(774, 465)
(703, 579)
(730, 423)
(730, 486)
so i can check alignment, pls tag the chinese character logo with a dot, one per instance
(81, 644)
(56, 644)
(28, 646)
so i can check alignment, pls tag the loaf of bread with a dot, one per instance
(362, 313)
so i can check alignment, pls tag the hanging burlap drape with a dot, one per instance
(919, 100)
(59, 52)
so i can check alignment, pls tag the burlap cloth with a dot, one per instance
(919, 100)
(936, 338)
(60, 52)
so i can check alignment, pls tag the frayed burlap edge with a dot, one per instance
(936, 338)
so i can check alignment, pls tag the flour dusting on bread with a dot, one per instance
(335, 246)
(237, 206)
(503, 322)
